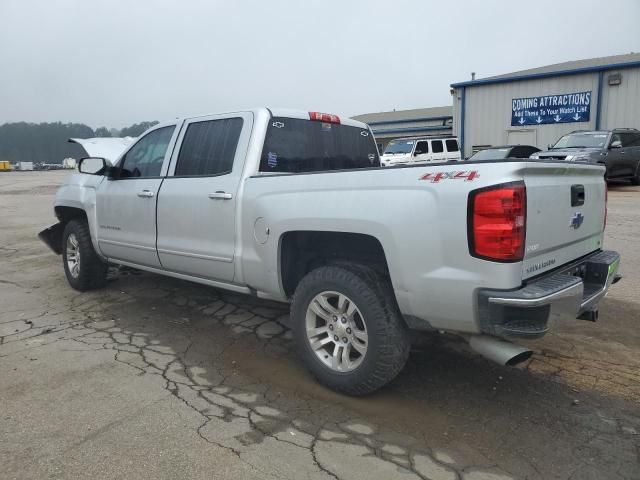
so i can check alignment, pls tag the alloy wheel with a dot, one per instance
(73, 255)
(336, 331)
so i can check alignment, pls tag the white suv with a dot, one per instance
(411, 151)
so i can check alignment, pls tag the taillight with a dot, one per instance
(324, 117)
(497, 222)
(606, 203)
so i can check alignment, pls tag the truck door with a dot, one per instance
(421, 152)
(615, 157)
(198, 200)
(438, 154)
(635, 154)
(628, 154)
(453, 150)
(126, 203)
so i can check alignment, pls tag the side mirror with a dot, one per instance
(616, 144)
(417, 152)
(92, 165)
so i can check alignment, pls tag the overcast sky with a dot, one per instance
(117, 62)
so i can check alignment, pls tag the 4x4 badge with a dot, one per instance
(576, 220)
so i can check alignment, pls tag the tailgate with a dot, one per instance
(565, 214)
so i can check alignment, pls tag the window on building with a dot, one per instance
(209, 147)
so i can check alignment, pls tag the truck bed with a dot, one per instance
(419, 216)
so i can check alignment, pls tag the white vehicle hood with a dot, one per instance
(396, 158)
(108, 148)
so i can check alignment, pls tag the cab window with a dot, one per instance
(145, 158)
(615, 138)
(452, 145)
(208, 148)
(421, 148)
(436, 146)
(294, 145)
(627, 139)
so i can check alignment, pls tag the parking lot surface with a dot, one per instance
(159, 378)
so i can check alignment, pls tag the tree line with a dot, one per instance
(47, 142)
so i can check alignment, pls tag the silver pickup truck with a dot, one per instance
(294, 207)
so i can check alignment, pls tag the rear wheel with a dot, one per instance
(348, 329)
(82, 266)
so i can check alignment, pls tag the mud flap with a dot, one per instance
(52, 236)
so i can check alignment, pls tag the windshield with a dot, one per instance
(294, 145)
(491, 154)
(404, 146)
(581, 140)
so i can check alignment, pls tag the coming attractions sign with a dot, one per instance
(545, 109)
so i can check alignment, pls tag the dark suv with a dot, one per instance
(617, 149)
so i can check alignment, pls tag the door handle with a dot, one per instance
(146, 194)
(219, 195)
(577, 195)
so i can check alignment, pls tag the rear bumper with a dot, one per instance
(572, 291)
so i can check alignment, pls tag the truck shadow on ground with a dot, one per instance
(450, 414)
(231, 358)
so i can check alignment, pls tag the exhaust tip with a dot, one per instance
(499, 351)
(521, 357)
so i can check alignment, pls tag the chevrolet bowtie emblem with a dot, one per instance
(576, 220)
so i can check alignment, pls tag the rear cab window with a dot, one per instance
(294, 145)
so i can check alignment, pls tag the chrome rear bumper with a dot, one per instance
(573, 291)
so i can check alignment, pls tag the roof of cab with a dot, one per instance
(286, 112)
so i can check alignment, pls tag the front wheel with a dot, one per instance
(348, 329)
(82, 266)
(635, 180)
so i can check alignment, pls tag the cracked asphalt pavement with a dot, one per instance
(153, 377)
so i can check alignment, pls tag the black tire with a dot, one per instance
(635, 180)
(388, 339)
(92, 271)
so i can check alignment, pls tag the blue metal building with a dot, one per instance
(538, 106)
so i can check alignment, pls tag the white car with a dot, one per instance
(423, 150)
